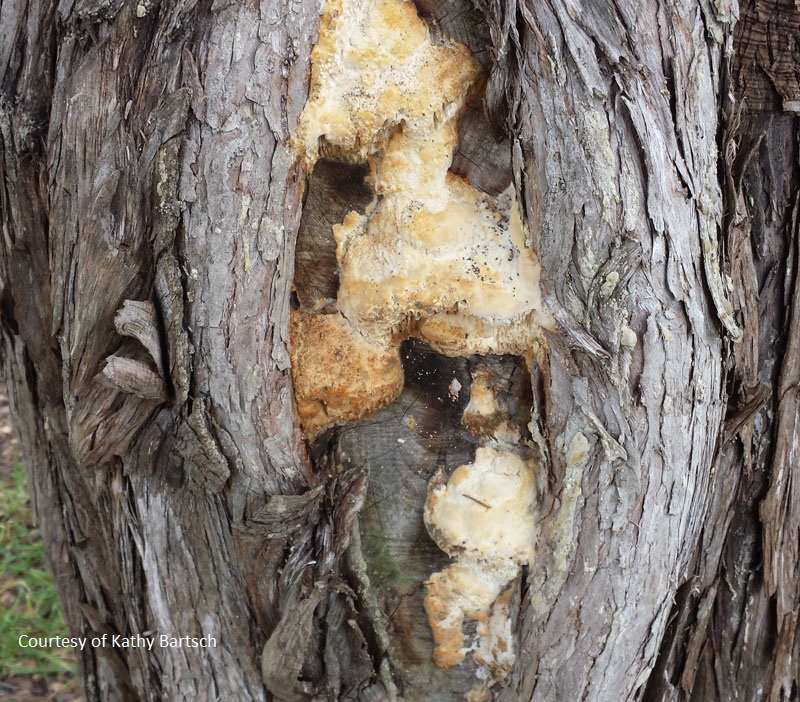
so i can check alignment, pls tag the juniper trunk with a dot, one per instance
(158, 230)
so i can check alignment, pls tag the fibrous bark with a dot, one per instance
(733, 631)
(143, 160)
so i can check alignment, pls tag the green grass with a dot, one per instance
(28, 601)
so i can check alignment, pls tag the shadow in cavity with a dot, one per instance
(334, 189)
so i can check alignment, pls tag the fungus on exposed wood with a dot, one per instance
(430, 257)
(375, 67)
(353, 377)
(484, 517)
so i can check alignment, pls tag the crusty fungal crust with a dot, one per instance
(375, 67)
(485, 510)
(464, 589)
(434, 258)
(352, 378)
(484, 517)
(483, 415)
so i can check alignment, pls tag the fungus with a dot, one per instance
(352, 378)
(375, 67)
(484, 517)
(431, 257)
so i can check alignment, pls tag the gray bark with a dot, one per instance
(142, 160)
(153, 215)
(614, 112)
(733, 633)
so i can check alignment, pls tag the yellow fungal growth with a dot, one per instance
(432, 257)
(483, 415)
(437, 257)
(352, 378)
(463, 590)
(485, 510)
(375, 67)
(484, 517)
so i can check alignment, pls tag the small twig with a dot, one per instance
(475, 499)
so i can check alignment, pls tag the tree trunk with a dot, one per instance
(733, 631)
(166, 227)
